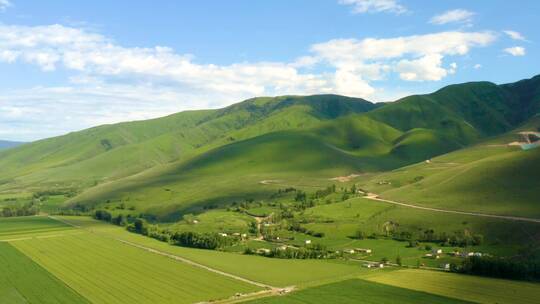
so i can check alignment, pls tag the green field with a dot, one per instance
(14, 227)
(357, 291)
(276, 272)
(106, 271)
(24, 281)
(470, 288)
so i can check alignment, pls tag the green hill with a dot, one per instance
(489, 177)
(196, 159)
(86, 158)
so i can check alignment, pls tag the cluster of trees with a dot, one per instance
(500, 268)
(25, 210)
(201, 240)
(315, 251)
(295, 226)
(462, 238)
(187, 239)
(324, 193)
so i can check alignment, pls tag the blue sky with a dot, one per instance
(69, 65)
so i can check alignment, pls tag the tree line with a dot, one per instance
(180, 238)
(500, 268)
(25, 210)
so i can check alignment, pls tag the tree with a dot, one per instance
(398, 260)
(359, 234)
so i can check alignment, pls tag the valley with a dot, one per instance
(291, 199)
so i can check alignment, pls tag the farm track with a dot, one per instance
(268, 289)
(375, 197)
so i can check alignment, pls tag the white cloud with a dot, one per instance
(515, 35)
(453, 16)
(4, 4)
(515, 51)
(119, 83)
(375, 6)
(419, 57)
(425, 68)
(477, 66)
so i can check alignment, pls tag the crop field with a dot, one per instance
(275, 272)
(13, 227)
(24, 281)
(104, 270)
(471, 288)
(358, 291)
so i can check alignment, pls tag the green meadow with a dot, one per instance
(24, 281)
(469, 288)
(104, 270)
(20, 226)
(358, 291)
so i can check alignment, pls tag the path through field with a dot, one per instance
(375, 197)
(269, 290)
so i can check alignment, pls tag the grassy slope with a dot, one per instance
(340, 221)
(82, 159)
(488, 178)
(232, 149)
(357, 291)
(23, 281)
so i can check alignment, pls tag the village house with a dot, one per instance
(362, 250)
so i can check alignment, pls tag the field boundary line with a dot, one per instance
(375, 197)
(270, 288)
(190, 262)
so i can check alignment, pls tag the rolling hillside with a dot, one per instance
(86, 158)
(489, 177)
(166, 166)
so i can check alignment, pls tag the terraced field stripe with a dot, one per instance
(24, 281)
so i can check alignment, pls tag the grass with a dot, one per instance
(23, 281)
(106, 271)
(486, 179)
(469, 288)
(276, 272)
(28, 225)
(357, 291)
(340, 221)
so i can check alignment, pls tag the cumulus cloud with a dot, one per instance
(375, 6)
(4, 4)
(424, 54)
(453, 16)
(515, 35)
(145, 82)
(515, 51)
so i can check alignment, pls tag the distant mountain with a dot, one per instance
(176, 164)
(6, 144)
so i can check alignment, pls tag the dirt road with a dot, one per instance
(375, 197)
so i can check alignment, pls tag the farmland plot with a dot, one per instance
(105, 270)
(13, 227)
(23, 281)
